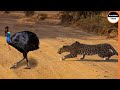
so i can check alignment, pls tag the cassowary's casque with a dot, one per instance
(24, 42)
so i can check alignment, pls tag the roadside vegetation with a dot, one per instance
(90, 21)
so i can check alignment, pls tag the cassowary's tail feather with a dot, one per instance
(36, 47)
(32, 48)
(33, 43)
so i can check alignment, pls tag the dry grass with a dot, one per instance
(13, 13)
(97, 24)
(26, 21)
(32, 20)
(16, 14)
(53, 16)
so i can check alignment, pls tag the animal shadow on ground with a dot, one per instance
(33, 63)
(88, 60)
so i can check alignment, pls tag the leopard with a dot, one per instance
(103, 50)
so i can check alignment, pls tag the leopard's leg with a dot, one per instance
(71, 55)
(102, 56)
(83, 57)
(107, 58)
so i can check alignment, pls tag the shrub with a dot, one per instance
(90, 21)
(43, 16)
(7, 12)
(29, 13)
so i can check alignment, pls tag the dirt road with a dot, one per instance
(45, 62)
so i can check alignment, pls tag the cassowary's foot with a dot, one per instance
(63, 58)
(28, 67)
(14, 66)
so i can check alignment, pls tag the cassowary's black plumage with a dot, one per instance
(24, 42)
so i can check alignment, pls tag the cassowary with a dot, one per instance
(24, 42)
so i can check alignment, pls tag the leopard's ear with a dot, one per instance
(76, 42)
(66, 46)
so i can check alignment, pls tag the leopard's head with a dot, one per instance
(63, 49)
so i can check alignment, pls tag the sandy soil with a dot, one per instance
(45, 62)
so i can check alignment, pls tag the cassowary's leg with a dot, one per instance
(28, 65)
(83, 57)
(15, 65)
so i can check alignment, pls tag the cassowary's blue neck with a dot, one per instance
(8, 37)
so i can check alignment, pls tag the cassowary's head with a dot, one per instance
(64, 49)
(6, 30)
